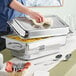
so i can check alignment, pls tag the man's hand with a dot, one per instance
(23, 9)
(37, 16)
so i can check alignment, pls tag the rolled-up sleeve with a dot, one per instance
(5, 2)
(9, 1)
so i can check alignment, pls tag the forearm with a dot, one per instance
(19, 7)
(23, 9)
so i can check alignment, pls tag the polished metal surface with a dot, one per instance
(24, 28)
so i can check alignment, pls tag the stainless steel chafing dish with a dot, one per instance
(23, 27)
(31, 43)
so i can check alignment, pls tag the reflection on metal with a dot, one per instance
(35, 3)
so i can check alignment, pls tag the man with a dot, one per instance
(9, 9)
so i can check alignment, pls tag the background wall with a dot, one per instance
(67, 12)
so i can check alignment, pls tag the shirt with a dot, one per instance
(7, 13)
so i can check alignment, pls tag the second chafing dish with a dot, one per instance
(28, 49)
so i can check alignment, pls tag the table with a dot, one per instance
(63, 67)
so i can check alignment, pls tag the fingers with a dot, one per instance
(41, 19)
(37, 16)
